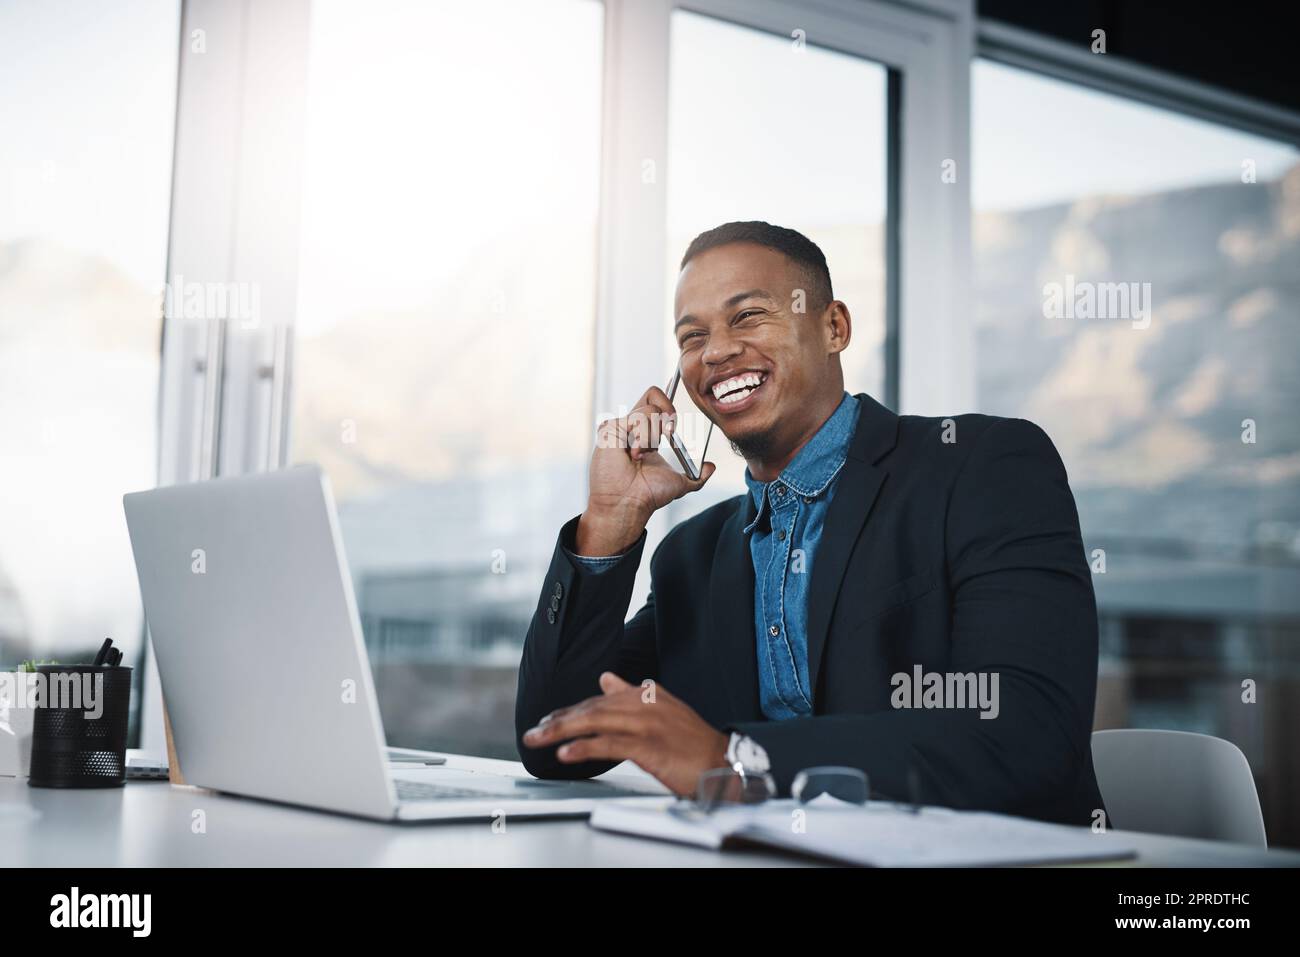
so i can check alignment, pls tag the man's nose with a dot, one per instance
(722, 346)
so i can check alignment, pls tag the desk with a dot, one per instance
(148, 824)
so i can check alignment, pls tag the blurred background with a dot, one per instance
(429, 244)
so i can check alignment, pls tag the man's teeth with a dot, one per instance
(737, 387)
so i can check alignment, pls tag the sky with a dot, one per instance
(1037, 141)
(87, 102)
(430, 132)
(761, 130)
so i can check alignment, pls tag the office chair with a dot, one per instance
(1178, 783)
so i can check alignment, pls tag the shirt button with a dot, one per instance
(781, 535)
(555, 603)
(774, 631)
(780, 491)
(557, 591)
(807, 499)
(550, 616)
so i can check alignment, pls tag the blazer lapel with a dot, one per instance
(855, 493)
(731, 606)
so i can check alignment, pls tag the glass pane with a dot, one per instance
(764, 127)
(444, 367)
(1138, 274)
(87, 107)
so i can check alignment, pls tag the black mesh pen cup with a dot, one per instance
(79, 733)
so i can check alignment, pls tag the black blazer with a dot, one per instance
(958, 556)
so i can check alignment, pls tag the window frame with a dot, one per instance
(240, 121)
(1113, 74)
(927, 48)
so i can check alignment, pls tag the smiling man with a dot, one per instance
(782, 625)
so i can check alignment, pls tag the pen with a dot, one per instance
(103, 651)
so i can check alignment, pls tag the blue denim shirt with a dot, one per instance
(791, 510)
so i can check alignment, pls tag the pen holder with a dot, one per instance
(79, 736)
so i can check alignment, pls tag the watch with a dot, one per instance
(746, 756)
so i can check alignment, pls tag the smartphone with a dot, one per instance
(678, 446)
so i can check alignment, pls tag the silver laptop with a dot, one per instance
(254, 624)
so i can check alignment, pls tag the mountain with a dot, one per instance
(1149, 421)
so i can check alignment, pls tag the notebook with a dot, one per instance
(879, 834)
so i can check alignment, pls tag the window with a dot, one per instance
(1137, 275)
(758, 129)
(87, 105)
(444, 339)
(448, 202)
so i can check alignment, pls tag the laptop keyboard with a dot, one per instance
(512, 789)
(424, 791)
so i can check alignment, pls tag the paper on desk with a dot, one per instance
(879, 834)
(888, 835)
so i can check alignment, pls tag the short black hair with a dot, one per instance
(805, 253)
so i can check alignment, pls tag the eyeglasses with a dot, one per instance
(722, 788)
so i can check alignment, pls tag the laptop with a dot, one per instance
(264, 669)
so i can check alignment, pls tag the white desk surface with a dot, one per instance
(148, 824)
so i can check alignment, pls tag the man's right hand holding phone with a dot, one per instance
(628, 479)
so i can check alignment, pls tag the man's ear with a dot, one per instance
(838, 327)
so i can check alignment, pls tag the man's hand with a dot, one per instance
(647, 725)
(628, 479)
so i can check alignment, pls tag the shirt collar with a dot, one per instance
(816, 464)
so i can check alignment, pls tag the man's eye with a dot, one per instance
(688, 337)
(747, 313)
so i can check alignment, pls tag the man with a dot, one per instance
(793, 626)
